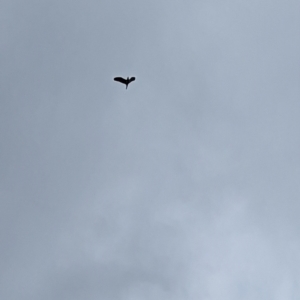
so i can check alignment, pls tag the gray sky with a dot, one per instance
(185, 186)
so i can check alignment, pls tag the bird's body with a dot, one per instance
(124, 81)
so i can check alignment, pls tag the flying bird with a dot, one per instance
(124, 81)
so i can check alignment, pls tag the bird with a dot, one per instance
(124, 81)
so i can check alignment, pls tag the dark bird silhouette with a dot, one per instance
(124, 81)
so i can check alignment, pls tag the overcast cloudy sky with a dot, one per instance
(185, 186)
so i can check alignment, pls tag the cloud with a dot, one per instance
(185, 185)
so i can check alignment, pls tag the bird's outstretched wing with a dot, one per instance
(120, 79)
(131, 79)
